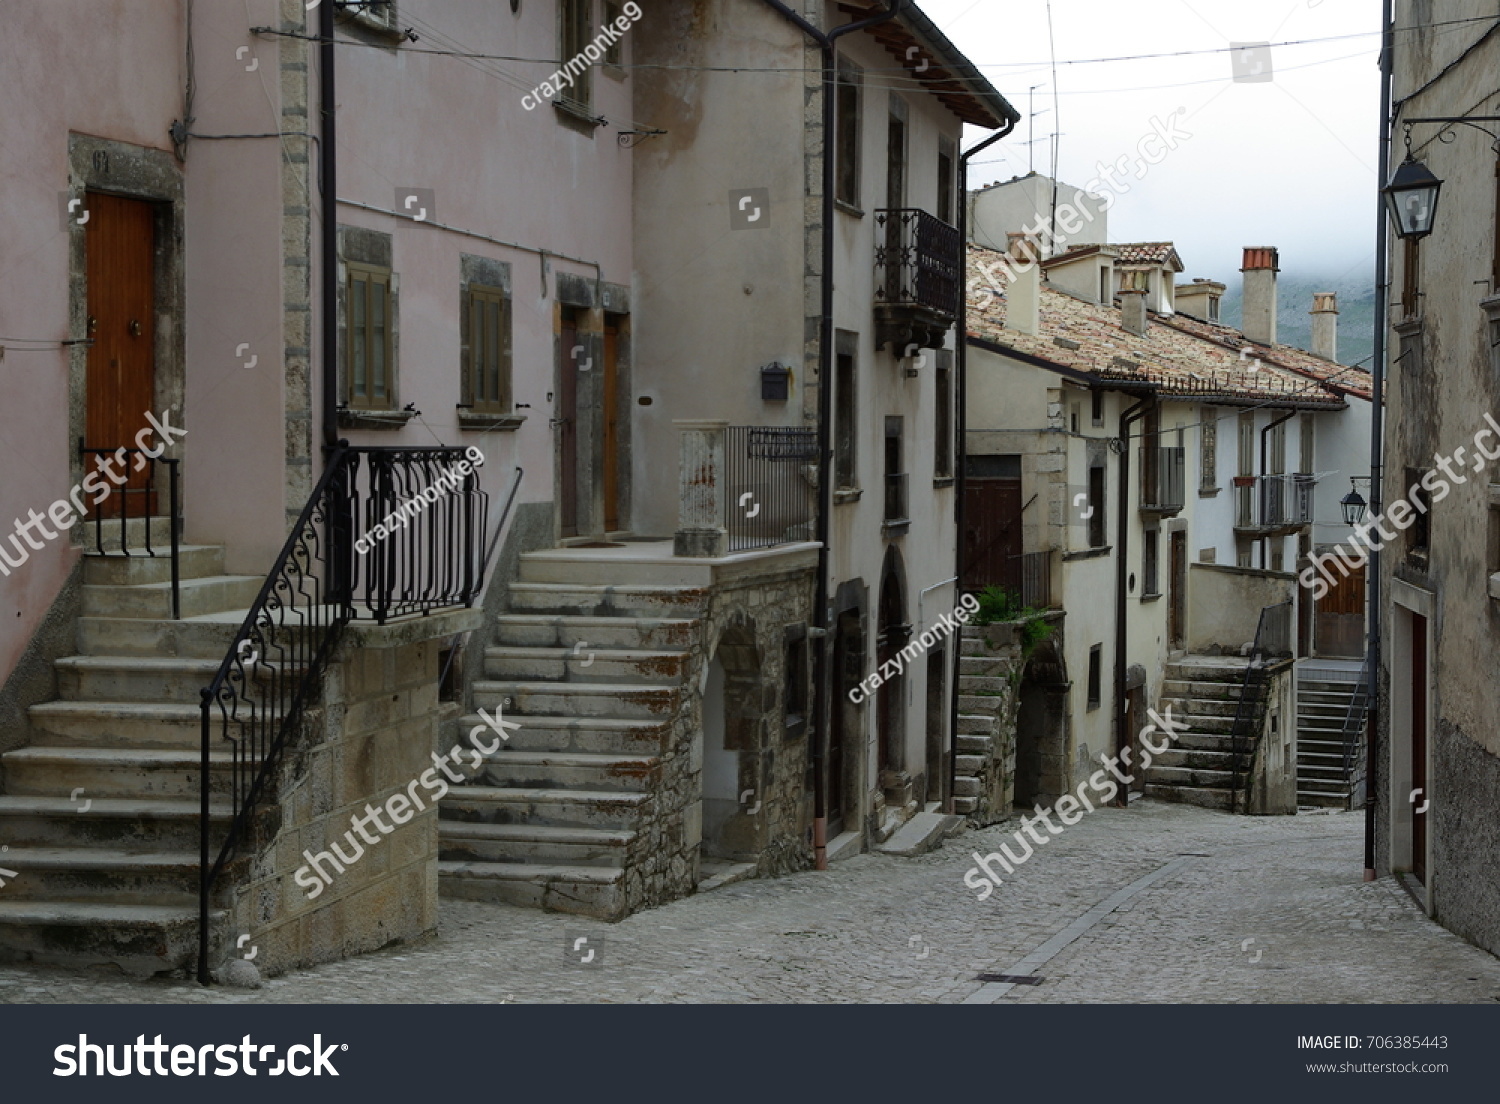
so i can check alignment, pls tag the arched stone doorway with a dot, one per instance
(733, 743)
(1043, 761)
(893, 631)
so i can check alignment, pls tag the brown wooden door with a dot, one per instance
(1177, 610)
(120, 244)
(1339, 620)
(567, 426)
(610, 422)
(1419, 746)
(992, 533)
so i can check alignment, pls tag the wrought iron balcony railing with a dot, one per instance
(919, 271)
(1265, 502)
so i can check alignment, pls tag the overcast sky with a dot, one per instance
(1289, 162)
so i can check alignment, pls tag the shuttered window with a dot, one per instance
(370, 374)
(486, 350)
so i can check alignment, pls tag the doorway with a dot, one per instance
(120, 389)
(1177, 604)
(937, 726)
(992, 533)
(844, 729)
(566, 422)
(1421, 799)
(892, 632)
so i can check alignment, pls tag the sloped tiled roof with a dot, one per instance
(1171, 359)
(1152, 254)
(1340, 377)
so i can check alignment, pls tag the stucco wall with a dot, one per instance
(1226, 604)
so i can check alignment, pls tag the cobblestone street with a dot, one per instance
(1206, 908)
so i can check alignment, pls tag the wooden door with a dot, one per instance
(1339, 620)
(120, 244)
(1177, 610)
(610, 424)
(1419, 746)
(566, 424)
(992, 533)
(848, 664)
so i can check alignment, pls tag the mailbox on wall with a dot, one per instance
(775, 382)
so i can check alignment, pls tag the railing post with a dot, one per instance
(702, 490)
(203, 840)
(176, 541)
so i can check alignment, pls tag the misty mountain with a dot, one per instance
(1294, 293)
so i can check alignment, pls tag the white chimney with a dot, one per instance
(1023, 295)
(1262, 262)
(1325, 325)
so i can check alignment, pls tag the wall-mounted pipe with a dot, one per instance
(1122, 567)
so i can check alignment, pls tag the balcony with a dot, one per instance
(744, 487)
(1163, 480)
(1273, 505)
(918, 279)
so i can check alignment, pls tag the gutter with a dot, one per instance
(828, 43)
(1122, 545)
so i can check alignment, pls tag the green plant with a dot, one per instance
(996, 605)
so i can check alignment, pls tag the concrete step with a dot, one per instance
(1203, 741)
(1194, 759)
(112, 772)
(1191, 795)
(577, 699)
(553, 631)
(134, 678)
(979, 703)
(975, 724)
(654, 603)
(586, 664)
(609, 735)
(983, 666)
(544, 770)
(140, 939)
(1323, 800)
(593, 891)
(561, 808)
(101, 874)
(136, 636)
(194, 561)
(532, 843)
(1323, 785)
(1190, 777)
(1189, 690)
(105, 533)
(983, 685)
(126, 823)
(1207, 669)
(571, 568)
(974, 745)
(1204, 707)
(199, 596)
(1209, 725)
(141, 725)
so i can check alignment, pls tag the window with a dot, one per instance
(1096, 676)
(1150, 563)
(1106, 292)
(1075, 417)
(1278, 450)
(846, 430)
(1247, 443)
(895, 470)
(1097, 490)
(1419, 535)
(1307, 456)
(1213, 308)
(945, 180)
(942, 465)
(575, 29)
(1278, 556)
(1098, 408)
(846, 131)
(1208, 450)
(486, 350)
(614, 51)
(369, 372)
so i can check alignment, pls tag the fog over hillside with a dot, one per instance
(1356, 294)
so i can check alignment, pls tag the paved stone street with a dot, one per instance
(1207, 908)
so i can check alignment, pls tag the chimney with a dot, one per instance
(1325, 325)
(1261, 265)
(1023, 296)
(1133, 303)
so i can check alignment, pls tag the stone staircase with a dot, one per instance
(1203, 692)
(592, 660)
(1323, 704)
(99, 815)
(984, 764)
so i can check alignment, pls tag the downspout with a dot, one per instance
(1265, 555)
(1122, 545)
(328, 198)
(1377, 434)
(822, 697)
(961, 445)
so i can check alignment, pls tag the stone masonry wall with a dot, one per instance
(988, 697)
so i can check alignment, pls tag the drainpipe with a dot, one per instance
(1377, 433)
(1265, 555)
(328, 197)
(961, 444)
(829, 45)
(1122, 567)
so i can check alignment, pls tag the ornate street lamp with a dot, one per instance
(1353, 505)
(1411, 198)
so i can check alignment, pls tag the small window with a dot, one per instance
(1097, 491)
(1075, 417)
(846, 131)
(942, 464)
(1150, 583)
(1277, 450)
(1098, 408)
(1208, 450)
(1247, 443)
(614, 51)
(1419, 535)
(486, 350)
(1278, 557)
(1096, 676)
(1213, 308)
(574, 31)
(370, 374)
(1411, 274)
(945, 180)
(846, 429)
(1106, 292)
(1307, 458)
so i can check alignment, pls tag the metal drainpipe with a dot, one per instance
(822, 697)
(1122, 545)
(961, 444)
(328, 197)
(1377, 433)
(1265, 552)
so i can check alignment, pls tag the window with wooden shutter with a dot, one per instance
(370, 372)
(486, 350)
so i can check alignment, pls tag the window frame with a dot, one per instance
(846, 413)
(567, 12)
(942, 386)
(1208, 451)
(471, 372)
(847, 138)
(1098, 528)
(1150, 563)
(372, 275)
(1095, 687)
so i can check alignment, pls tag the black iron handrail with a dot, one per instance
(346, 558)
(1354, 720)
(919, 261)
(768, 499)
(1272, 642)
(143, 461)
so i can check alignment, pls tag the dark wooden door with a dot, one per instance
(1177, 610)
(120, 243)
(992, 533)
(567, 426)
(1419, 746)
(610, 423)
(1339, 620)
(848, 663)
